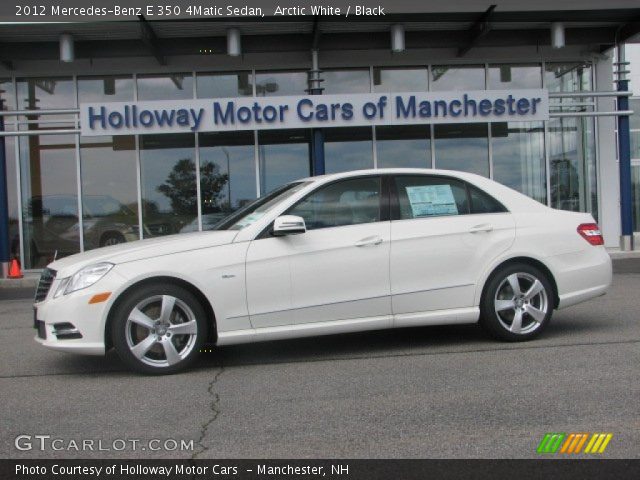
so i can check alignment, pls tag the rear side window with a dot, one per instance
(482, 202)
(425, 196)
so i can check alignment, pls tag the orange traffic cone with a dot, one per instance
(14, 269)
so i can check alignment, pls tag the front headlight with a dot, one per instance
(83, 278)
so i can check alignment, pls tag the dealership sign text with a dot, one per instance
(251, 113)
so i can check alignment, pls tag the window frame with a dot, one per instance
(469, 187)
(231, 219)
(384, 204)
(394, 198)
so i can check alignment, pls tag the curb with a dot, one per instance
(618, 255)
(28, 281)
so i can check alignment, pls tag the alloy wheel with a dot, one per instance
(521, 303)
(161, 330)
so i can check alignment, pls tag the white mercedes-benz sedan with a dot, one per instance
(348, 252)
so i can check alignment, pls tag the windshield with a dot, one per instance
(259, 208)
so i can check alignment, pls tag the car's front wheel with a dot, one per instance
(517, 303)
(159, 329)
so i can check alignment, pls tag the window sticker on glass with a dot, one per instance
(432, 200)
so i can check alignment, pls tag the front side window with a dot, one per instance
(347, 202)
(426, 196)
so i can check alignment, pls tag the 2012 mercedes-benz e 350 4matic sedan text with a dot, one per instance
(337, 253)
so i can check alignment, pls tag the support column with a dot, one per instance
(624, 149)
(317, 134)
(4, 205)
(608, 173)
(317, 152)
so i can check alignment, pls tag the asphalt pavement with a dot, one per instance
(436, 392)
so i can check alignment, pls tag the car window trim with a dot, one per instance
(383, 205)
(470, 201)
(395, 212)
(233, 217)
(394, 201)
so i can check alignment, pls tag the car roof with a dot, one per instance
(512, 199)
(393, 171)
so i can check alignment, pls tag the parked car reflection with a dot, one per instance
(108, 222)
(209, 221)
(52, 227)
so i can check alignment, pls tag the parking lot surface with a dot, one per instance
(436, 392)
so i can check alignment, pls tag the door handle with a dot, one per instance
(369, 242)
(485, 227)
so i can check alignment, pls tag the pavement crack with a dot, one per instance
(214, 408)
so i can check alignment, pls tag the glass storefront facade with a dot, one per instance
(108, 171)
(79, 193)
(572, 157)
(634, 123)
(8, 102)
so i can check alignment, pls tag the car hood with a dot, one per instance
(142, 249)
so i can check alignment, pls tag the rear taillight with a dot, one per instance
(591, 233)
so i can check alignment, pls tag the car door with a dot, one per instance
(338, 269)
(442, 236)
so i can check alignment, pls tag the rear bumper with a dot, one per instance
(583, 275)
(574, 298)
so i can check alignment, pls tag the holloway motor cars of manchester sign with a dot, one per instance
(251, 113)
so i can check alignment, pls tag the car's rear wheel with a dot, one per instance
(159, 329)
(517, 303)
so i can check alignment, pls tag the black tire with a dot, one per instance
(112, 238)
(503, 324)
(128, 335)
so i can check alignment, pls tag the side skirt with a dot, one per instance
(439, 317)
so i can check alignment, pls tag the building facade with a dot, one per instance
(69, 193)
(632, 55)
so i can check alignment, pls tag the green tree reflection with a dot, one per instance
(180, 186)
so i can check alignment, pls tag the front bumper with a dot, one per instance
(75, 309)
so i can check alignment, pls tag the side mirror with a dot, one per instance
(288, 225)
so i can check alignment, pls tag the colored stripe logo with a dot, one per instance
(598, 443)
(573, 443)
